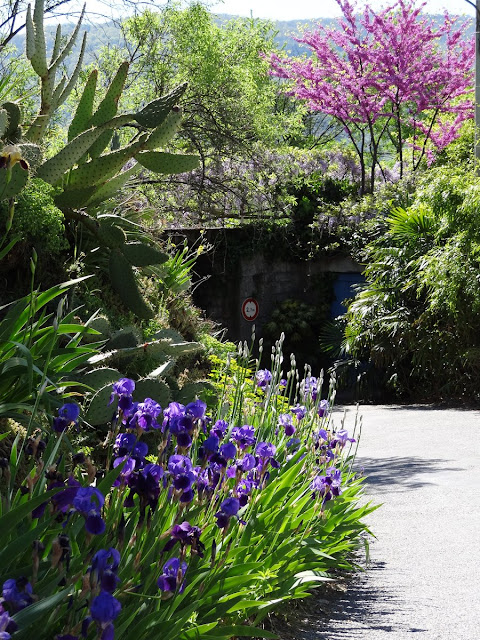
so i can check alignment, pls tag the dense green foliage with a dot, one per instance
(416, 317)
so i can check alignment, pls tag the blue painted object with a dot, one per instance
(343, 288)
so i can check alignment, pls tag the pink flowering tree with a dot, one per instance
(390, 77)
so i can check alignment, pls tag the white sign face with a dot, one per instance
(250, 309)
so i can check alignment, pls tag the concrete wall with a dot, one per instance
(269, 281)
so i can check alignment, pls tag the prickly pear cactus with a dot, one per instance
(140, 254)
(203, 390)
(155, 389)
(12, 181)
(99, 411)
(14, 116)
(125, 338)
(99, 378)
(3, 122)
(125, 285)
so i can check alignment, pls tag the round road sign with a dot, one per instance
(250, 309)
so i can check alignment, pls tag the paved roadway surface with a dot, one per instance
(423, 582)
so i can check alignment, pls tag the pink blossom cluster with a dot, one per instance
(387, 75)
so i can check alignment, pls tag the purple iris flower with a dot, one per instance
(228, 450)
(219, 428)
(263, 377)
(146, 414)
(178, 464)
(88, 501)
(123, 389)
(247, 463)
(323, 408)
(341, 438)
(124, 443)
(265, 450)
(285, 420)
(103, 570)
(67, 415)
(146, 484)
(244, 436)
(188, 536)
(125, 473)
(105, 608)
(196, 409)
(173, 574)
(174, 410)
(211, 444)
(311, 387)
(243, 490)
(228, 509)
(300, 411)
(328, 485)
(7, 624)
(17, 593)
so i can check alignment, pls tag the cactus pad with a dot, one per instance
(111, 188)
(124, 338)
(125, 285)
(31, 153)
(99, 411)
(154, 113)
(14, 117)
(85, 107)
(3, 122)
(99, 378)
(165, 132)
(74, 198)
(102, 325)
(17, 182)
(142, 255)
(203, 390)
(111, 235)
(167, 163)
(155, 389)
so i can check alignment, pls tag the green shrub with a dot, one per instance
(37, 220)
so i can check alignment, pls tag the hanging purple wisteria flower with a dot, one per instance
(67, 416)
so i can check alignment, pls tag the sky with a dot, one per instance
(281, 9)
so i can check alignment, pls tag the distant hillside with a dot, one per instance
(108, 33)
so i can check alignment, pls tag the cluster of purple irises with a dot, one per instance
(197, 461)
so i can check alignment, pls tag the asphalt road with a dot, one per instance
(423, 581)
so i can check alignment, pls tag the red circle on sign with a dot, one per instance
(250, 309)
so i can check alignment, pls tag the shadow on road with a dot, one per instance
(342, 616)
(401, 473)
